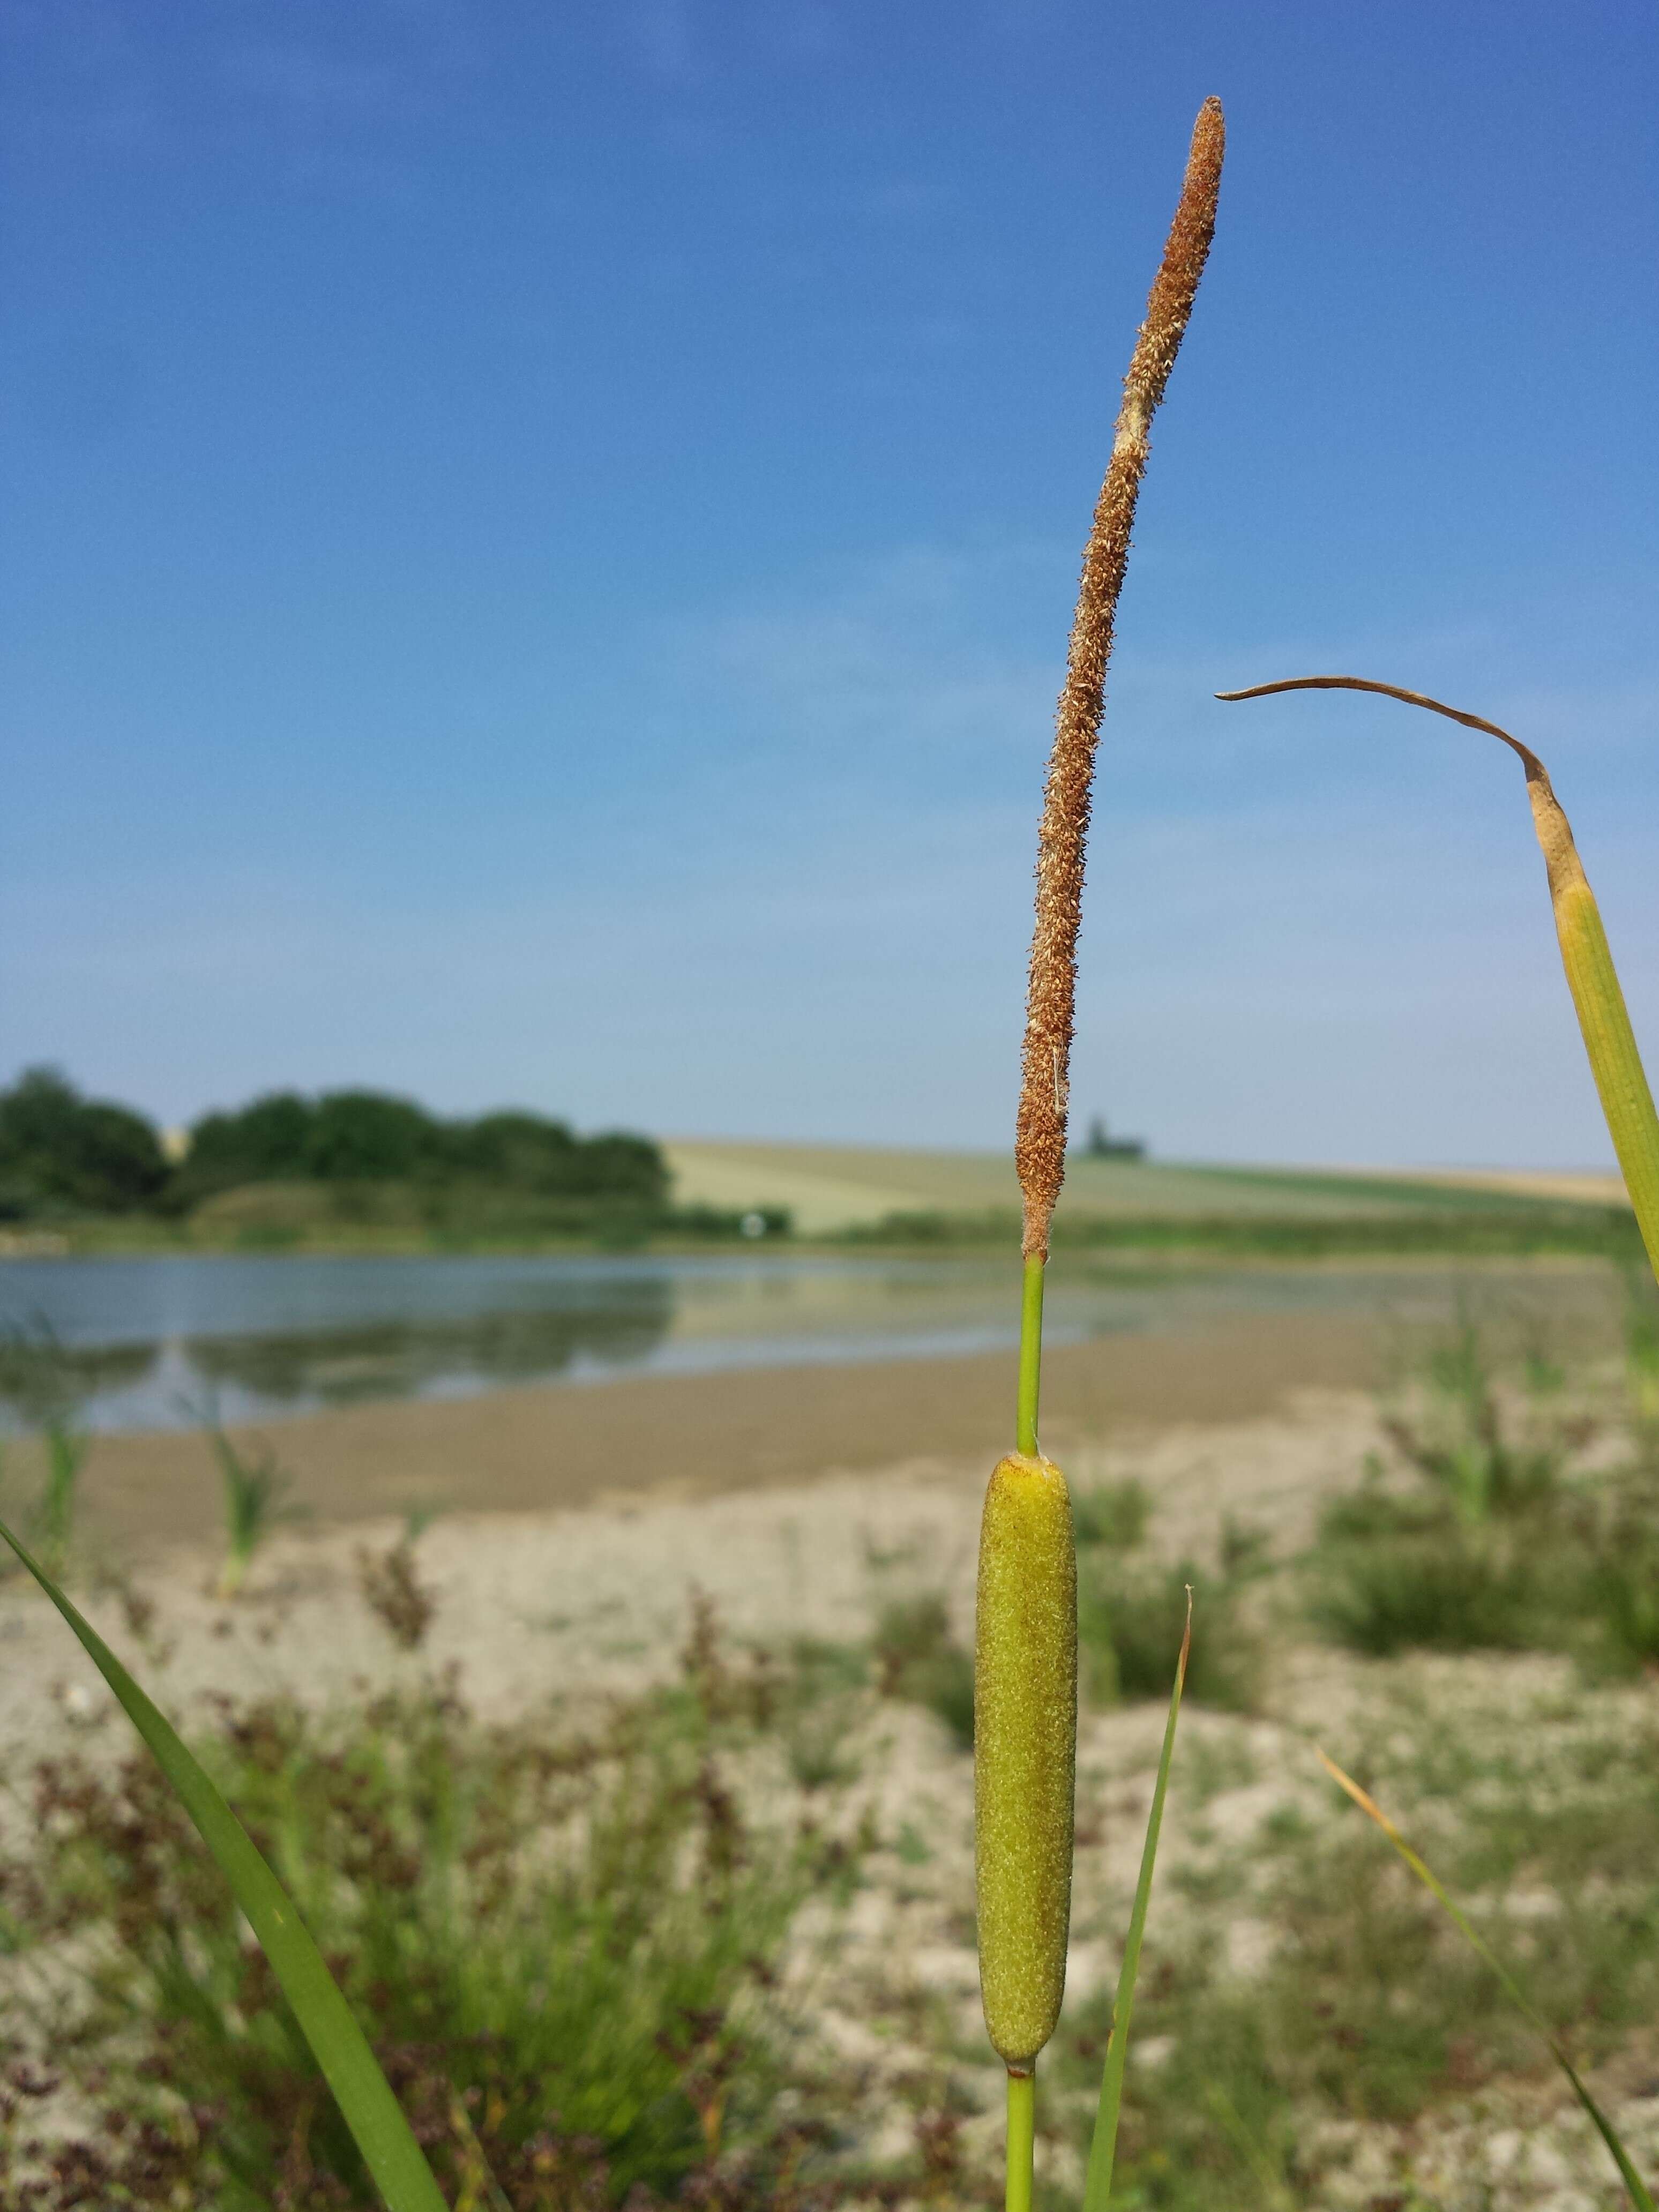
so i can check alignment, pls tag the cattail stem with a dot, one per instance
(1022, 2139)
(1030, 1359)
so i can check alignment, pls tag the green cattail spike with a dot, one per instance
(1024, 1751)
(1609, 1040)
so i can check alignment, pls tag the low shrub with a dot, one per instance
(561, 1945)
(1496, 1546)
(1443, 1589)
(917, 1657)
(1113, 1513)
(1130, 1623)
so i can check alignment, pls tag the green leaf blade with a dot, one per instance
(376, 2120)
(1610, 1044)
(1102, 2150)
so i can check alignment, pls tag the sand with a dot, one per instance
(573, 1522)
(594, 1596)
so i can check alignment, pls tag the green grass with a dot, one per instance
(1356, 2004)
(255, 1501)
(1642, 1358)
(1508, 1230)
(1440, 1589)
(1130, 1621)
(39, 1377)
(54, 1512)
(439, 1859)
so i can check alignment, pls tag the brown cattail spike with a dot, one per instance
(1040, 1143)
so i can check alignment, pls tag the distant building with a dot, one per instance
(1101, 1146)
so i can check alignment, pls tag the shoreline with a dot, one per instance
(550, 1447)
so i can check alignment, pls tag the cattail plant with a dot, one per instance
(1025, 1643)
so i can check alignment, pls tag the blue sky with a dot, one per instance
(539, 541)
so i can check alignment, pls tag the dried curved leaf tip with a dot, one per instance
(1039, 1140)
(1603, 1017)
(1024, 1751)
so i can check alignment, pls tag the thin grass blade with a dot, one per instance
(367, 2104)
(1102, 2151)
(1640, 2195)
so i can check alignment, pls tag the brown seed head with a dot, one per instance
(1040, 1143)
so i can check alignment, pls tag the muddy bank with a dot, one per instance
(529, 1450)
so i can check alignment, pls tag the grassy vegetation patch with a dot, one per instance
(1489, 1534)
(1486, 1228)
(1308, 2011)
(1132, 1608)
(562, 1941)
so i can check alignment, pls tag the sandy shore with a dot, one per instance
(585, 1522)
(594, 1596)
(537, 1449)
(573, 1524)
(568, 1606)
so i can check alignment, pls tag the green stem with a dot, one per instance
(1022, 2132)
(1031, 1358)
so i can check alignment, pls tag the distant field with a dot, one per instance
(831, 1188)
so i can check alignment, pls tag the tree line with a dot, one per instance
(61, 1152)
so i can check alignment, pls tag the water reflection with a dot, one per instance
(160, 1342)
(44, 1380)
(168, 1340)
(398, 1359)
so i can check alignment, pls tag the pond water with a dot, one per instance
(165, 1342)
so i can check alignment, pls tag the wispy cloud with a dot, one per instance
(101, 79)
